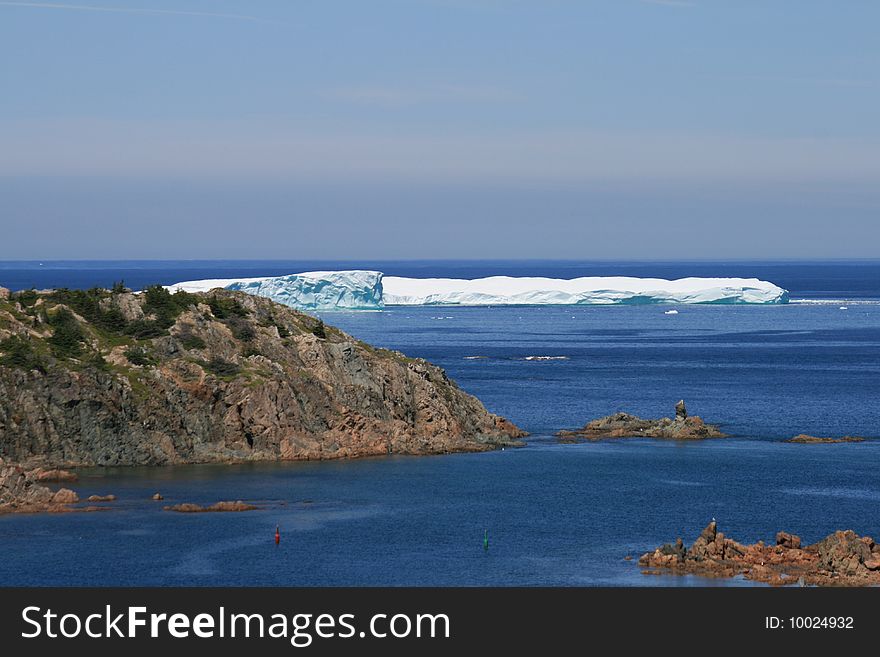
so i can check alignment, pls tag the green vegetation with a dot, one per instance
(191, 341)
(19, 353)
(319, 330)
(139, 356)
(97, 361)
(282, 331)
(67, 335)
(143, 329)
(119, 288)
(224, 308)
(222, 367)
(26, 298)
(87, 304)
(166, 306)
(241, 329)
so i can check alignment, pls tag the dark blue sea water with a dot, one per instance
(556, 514)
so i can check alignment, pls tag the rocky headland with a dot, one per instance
(841, 559)
(624, 425)
(814, 440)
(108, 377)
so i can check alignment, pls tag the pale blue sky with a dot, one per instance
(439, 128)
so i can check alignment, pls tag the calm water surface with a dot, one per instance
(556, 514)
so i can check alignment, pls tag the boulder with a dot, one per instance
(681, 410)
(843, 552)
(788, 541)
(65, 496)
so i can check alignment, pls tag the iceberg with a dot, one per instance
(372, 290)
(508, 290)
(312, 290)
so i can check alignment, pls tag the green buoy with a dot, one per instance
(486, 539)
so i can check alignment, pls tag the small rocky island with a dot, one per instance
(814, 440)
(110, 377)
(841, 559)
(624, 425)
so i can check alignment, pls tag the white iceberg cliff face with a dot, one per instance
(361, 290)
(506, 290)
(313, 290)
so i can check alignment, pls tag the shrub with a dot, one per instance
(97, 361)
(319, 330)
(241, 329)
(222, 367)
(25, 297)
(138, 356)
(282, 331)
(119, 287)
(190, 341)
(87, 303)
(18, 353)
(224, 307)
(166, 306)
(67, 336)
(143, 329)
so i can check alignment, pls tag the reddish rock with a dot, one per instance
(807, 439)
(41, 475)
(21, 494)
(65, 496)
(841, 559)
(297, 397)
(788, 541)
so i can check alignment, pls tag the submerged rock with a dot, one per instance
(219, 507)
(624, 425)
(807, 439)
(841, 559)
(102, 498)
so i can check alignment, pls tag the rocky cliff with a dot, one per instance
(113, 378)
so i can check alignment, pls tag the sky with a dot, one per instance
(413, 129)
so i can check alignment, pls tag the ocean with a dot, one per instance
(556, 514)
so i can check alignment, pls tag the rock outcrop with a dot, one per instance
(41, 475)
(808, 440)
(113, 378)
(841, 559)
(624, 425)
(19, 493)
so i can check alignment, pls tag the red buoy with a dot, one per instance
(277, 535)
